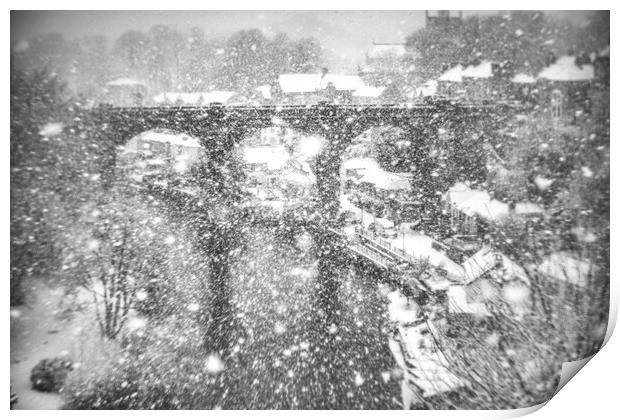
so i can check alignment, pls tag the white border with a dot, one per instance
(593, 394)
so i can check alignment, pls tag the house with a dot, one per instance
(267, 158)
(426, 372)
(272, 169)
(429, 88)
(305, 88)
(523, 86)
(566, 69)
(158, 153)
(125, 92)
(164, 145)
(357, 171)
(470, 210)
(353, 169)
(484, 80)
(478, 81)
(413, 344)
(450, 82)
(491, 278)
(566, 85)
(466, 207)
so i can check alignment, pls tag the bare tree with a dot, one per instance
(113, 257)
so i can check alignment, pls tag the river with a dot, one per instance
(295, 355)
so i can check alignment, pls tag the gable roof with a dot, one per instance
(476, 202)
(565, 70)
(487, 259)
(455, 74)
(483, 70)
(299, 82)
(342, 82)
(385, 180)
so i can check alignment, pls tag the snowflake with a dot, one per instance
(214, 364)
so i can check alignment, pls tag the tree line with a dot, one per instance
(169, 60)
(523, 41)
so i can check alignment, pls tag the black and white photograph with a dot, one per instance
(306, 209)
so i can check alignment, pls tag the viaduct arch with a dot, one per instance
(220, 128)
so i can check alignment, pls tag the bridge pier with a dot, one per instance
(327, 170)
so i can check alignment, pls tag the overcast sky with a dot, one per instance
(347, 34)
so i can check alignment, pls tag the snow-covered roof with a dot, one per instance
(400, 310)
(360, 163)
(342, 82)
(479, 263)
(378, 50)
(173, 139)
(383, 222)
(565, 70)
(455, 74)
(299, 83)
(483, 70)
(527, 207)
(122, 81)
(385, 180)
(426, 366)
(523, 78)
(475, 202)
(487, 259)
(306, 83)
(274, 156)
(565, 266)
(369, 91)
(195, 98)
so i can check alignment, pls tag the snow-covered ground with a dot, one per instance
(46, 327)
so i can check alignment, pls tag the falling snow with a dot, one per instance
(299, 221)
